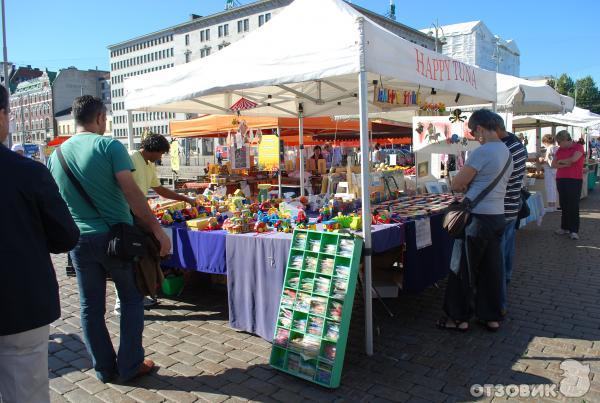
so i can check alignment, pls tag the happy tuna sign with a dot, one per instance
(444, 69)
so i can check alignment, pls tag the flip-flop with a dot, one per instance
(442, 323)
(489, 328)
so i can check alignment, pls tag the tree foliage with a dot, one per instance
(584, 91)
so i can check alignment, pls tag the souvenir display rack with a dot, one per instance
(316, 306)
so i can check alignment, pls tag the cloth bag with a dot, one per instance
(458, 213)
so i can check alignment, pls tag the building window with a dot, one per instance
(187, 40)
(204, 52)
(261, 20)
(240, 25)
(220, 31)
(188, 56)
(223, 30)
(246, 25)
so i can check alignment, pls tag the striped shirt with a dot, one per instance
(512, 200)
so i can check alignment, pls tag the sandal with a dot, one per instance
(489, 327)
(451, 324)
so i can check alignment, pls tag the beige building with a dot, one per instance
(65, 124)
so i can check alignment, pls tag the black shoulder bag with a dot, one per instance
(458, 213)
(126, 242)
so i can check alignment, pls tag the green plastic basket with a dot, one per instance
(173, 285)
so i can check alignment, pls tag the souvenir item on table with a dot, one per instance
(331, 226)
(166, 218)
(294, 362)
(301, 219)
(260, 227)
(343, 220)
(356, 223)
(324, 214)
(315, 326)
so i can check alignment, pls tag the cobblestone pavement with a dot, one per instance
(554, 314)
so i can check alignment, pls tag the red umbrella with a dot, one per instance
(243, 104)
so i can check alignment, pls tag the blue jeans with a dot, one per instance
(508, 254)
(92, 266)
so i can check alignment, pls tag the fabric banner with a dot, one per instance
(442, 134)
(174, 153)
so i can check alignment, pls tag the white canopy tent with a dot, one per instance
(521, 96)
(577, 118)
(316, 58)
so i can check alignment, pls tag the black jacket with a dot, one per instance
(35, 222)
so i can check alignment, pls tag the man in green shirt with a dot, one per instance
(103, 168)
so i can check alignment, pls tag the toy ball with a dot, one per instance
(454, 138)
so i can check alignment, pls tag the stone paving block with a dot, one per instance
(91, 385)
(190, 348)
(61, 385)
(145, 396)
(428, 394)
(241, 355)
(261, 373)
(178, 396)
(210, 367)
(212, 356)
(185, 358)
(260, 386)
(79, 395)
(238, 391)
(57, 397)
(185, 370)
(388, 393)
(82, 364)
(233, 363)
(55, 364)
(210, 395)
(219, 348)
(114, 396)
(287, 396)
(71, 374)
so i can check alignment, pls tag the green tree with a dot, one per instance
(586, 94)
(563, 85)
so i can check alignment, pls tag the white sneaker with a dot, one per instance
(150, 301)
(561, 232)
(574, 236)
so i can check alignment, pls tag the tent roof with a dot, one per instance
(221, 125)
(578, 118)
(310, 53)
(524, 96)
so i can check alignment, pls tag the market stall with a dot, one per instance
(337, 66)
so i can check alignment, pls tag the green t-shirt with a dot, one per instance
(94, 160)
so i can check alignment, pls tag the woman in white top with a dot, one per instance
(549, 172)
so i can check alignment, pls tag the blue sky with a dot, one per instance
(553, 36)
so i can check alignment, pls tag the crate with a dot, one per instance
(316, 306)
(173, 285)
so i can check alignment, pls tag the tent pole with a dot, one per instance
(130, 130)
(301, 145)
(281, 152)
(365, 190)
(538, 137)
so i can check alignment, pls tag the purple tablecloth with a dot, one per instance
(198, 250)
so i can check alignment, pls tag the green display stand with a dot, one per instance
(316, 306)
(592, 176)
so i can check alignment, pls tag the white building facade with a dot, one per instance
(195, 39)
(474, 43)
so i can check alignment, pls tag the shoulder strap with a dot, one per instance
(493, 184)
(76, 182)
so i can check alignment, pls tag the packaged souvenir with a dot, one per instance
(300, 242)
(322, 285)
(299, 324)
(315, 326)
(329, 352)
(315, 245)
(326, 266)
(335, 311)
(288, 297)
(307, 284)
(293, 282)
(282, 337)
(330, 249)
(303, 302)
(342, 271)
(296, 262)
(324, 373)
(318, 306)
(340, 287)
(285, 317)
(332, 332)
(311, 264)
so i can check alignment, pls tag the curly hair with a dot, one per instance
(155, 143)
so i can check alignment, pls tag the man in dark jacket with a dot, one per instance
(35, 223)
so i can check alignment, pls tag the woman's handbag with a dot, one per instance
(125, 241)
(458, 213)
